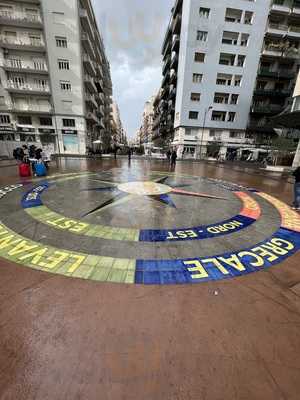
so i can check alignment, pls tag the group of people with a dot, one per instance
(172, 157)
(31, 155)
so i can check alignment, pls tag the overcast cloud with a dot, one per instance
(133, 31)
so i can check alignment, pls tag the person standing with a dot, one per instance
(296, 174)
(173, 158)
(169, 155)
(129, 153)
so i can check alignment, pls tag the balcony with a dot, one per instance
(276, 50)
(84, 16)
(27, 88)
(294, 31)
(276, 28)
(282, 73)
(166, 64)
(267, 108)
(172, 93)
(176, 43)
(278, 7)
(174, 61)
(27, 20)
(93, 117)
(87, 44)
(27, 44)
(15, 65)
(176, 25)
(32, 109)
(272, 92)
(90, 99)
(173, 76)
(90, 83)
(89, 65)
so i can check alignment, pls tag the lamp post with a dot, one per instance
(203, 127)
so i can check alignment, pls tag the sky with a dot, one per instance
(133, 32)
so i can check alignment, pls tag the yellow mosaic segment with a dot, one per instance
(44, 215)
(18, 249)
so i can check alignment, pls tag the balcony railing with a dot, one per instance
(20, 17)
(279, 73)
(31, 109)
(32, 42)
(21, 65)
(273, 92)
(267, 108)
(27, 87)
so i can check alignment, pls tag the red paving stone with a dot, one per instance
(72, 339)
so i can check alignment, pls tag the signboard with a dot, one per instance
(69, 132)
(46, 130)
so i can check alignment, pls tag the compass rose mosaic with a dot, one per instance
(144, 228)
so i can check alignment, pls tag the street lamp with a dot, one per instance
(203, 127)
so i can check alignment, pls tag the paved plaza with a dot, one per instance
(139, 281)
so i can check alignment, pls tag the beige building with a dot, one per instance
(147, 122)
(55, 86)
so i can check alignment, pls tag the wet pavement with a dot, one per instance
(67, 338)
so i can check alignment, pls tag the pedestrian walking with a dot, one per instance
(296, 174)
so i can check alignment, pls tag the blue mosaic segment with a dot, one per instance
(283, 244)
(33, 197)
(201, 232)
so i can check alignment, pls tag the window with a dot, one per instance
(193, 115)
(44, 121)
(236, 135)
(63, 64)
(231, 116)
(227, 59)
(224, 79)
(2, 101)
(199, 57)
(69, 123)
(204, 12)
(4, 119)
(24, 120)
(195, 96)
(248, 18)
(218, 116)
(237, 80)
(221, 98)
(241, 61)
(35, 40)
(66, 86)
(234, 99)
(212, 133)
(233, 15)
(202, 36)
(230, 38)
(61, 41)
(197, 78)
(244, 39)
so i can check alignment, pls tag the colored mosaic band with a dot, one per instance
(33, 205)
(18, 249)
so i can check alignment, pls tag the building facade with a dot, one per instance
(118, 132)
(147, 122)
(214, 98)
(55, 86)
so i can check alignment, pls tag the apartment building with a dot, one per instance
(55, 88)
(147, 122)
(118, 132)
(213, 94)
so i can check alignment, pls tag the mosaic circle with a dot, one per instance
(36, 232)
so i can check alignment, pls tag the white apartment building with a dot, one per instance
(118, 133)
(55, 88)
(215, 88)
